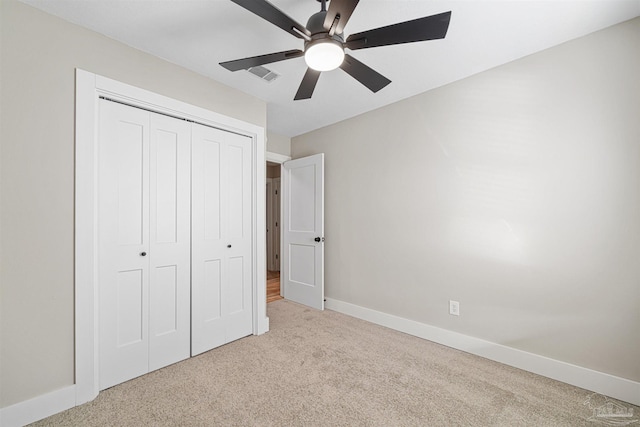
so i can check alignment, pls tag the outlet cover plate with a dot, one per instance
(454, 308)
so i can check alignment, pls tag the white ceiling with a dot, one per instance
(198, 34)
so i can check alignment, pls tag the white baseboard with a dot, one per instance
(32, 410)
(608, 385)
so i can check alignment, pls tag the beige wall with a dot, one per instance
(515, 192)
(39, 55)
(273, 171)
(277, 143)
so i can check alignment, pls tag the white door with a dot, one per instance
(221, 238)
(143, 242)
(303, 230)
(276, 223)
(273, 224)
(169, 241)
(270, 226)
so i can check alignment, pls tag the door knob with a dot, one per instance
(228, 246)
(319, 239)
(143, 254)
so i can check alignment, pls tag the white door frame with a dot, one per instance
(89, 87)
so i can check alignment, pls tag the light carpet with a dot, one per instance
(328, 369)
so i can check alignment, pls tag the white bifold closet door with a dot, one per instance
(221, 238)
(143, 241)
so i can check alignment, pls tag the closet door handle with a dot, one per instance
(143, 254)
(228, 246)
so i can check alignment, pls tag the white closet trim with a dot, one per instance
(89, 87)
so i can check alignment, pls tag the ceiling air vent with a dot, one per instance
(264, 73)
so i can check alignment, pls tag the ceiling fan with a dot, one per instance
(324, 42)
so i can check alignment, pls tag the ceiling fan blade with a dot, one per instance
(269, 12)
(342, 10)
(421, 29)
(308, 84)
(365, 75)
(254, 61)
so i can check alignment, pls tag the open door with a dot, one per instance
(303, 230)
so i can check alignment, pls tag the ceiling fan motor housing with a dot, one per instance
(315, 24)
(319, 34)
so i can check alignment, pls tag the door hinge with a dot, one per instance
(276, 223)
(276, 256)
(276, 192)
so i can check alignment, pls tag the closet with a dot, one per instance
(174, 240)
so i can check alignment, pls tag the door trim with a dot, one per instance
(89, 87)
(270, 156)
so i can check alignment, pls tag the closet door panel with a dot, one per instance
(123, 234)
(237, 291)
(170, 238)
(221, 238)
(208, 249)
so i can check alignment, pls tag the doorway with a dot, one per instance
(273, 220)
(273, 231)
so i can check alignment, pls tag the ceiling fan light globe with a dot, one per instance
(324, 56)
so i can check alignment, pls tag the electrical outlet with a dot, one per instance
(454, 308)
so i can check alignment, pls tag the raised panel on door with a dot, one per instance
(170, 241)
(164, 301)
(123, 234)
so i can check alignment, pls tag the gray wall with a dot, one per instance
(39, 54)
(279, 144)
(515, 192)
